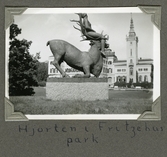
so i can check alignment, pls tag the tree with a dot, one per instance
(137, 75)
(14, 31)
(42, 72)
(152, 73)
(22, 66)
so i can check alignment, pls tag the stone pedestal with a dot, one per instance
(85, 89)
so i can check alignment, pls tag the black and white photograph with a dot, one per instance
(83, 78)
(82, 63)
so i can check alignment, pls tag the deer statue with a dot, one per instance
(90, 62)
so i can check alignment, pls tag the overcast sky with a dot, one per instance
(39, 28)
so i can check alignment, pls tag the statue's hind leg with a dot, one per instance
(57, 65)
(86, 70)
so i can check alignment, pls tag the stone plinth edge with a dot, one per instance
(78, 80)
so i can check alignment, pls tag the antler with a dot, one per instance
(79, 22)
(84, 35)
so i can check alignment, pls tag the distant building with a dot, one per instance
(53, 72)
(132, 69)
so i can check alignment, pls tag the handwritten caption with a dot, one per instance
(92, 136)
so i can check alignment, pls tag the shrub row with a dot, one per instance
(129, 85)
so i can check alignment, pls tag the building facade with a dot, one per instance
(132, 69)
(53, 72)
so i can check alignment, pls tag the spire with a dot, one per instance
(131, 32)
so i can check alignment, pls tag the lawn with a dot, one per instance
(120, 102)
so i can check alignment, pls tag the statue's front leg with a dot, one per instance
(56, 64)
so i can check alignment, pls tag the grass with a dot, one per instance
(120, 102)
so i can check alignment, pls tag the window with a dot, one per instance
(131, 71)
(145, 69)
(109, 62)
(131, 61)
(119, 79)
(52, 70)
(110, 70)
(123, 70)
(124, 79)
(140, 78)
(118, 70)
(110, 79)
(131, 80)
(130, 52)
(145, 78)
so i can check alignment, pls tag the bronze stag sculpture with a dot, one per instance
(90, 62)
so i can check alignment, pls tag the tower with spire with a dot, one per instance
(132, 53)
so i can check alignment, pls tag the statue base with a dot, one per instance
(85, 89)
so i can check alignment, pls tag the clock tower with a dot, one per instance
(132, 53)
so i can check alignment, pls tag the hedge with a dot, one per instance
(142, 84)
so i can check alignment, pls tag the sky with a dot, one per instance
(40, 28)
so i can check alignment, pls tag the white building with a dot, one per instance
(53, 72)
(132, 69)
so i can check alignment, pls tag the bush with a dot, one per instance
(120, 84)
(42, 84)
(42, 71)
(21, 92)
(142, 84)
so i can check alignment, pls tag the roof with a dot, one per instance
(110, 53)
(121, 65)
(118, 61)
(148, 59)
(143, 63)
